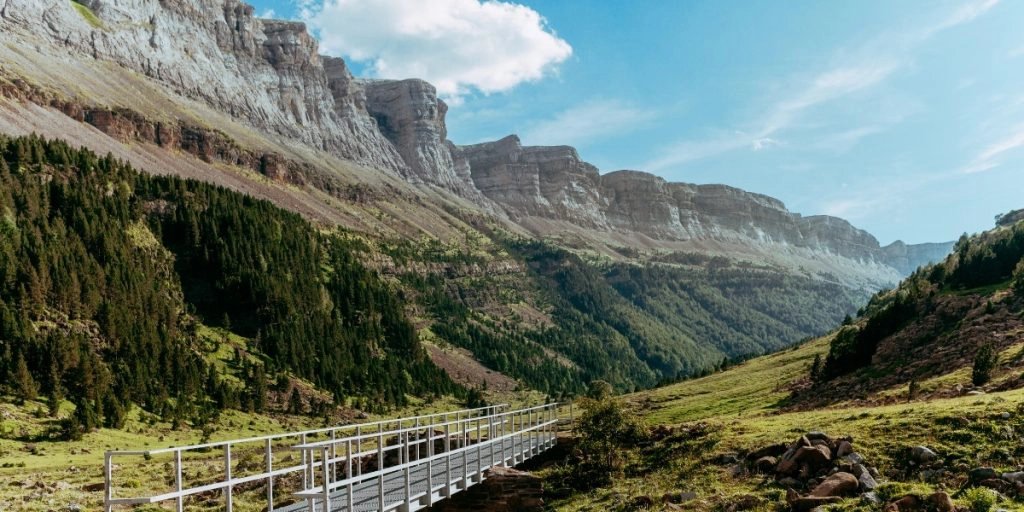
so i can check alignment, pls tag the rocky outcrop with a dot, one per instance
(551, 182)
(410, 115)
(265, 73)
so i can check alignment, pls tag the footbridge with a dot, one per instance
(403, 464)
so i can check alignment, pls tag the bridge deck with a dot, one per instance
(404, 464)
(365, 495)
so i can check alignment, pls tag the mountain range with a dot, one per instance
(209, 91)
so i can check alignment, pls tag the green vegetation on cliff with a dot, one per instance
(106, 274)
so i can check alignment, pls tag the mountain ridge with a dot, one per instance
(269, 75)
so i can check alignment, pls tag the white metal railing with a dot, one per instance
(498, 439)
(266, 444)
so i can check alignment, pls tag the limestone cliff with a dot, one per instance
(265, 73)
(553, 183)
(264, 80)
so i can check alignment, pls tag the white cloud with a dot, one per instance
(1016, 52)
(267, 14)
(588, 122)
(457, 45)
(988, 158)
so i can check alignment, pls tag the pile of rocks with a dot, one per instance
(826, 469)
(1011, 483)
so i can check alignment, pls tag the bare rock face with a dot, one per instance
(266, 73)
(410, 115)
(839, 237)
(906, 258)
(550, 182)
(360, 135)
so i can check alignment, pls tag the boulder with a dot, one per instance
(726, 459)
(809, 503)
(839, 484)
(998, 485)
(905, 504)
(922, 454)
(870, 498)
(866, 482)
(766, 464)
(790, 482)
(774, 450)
(845, 448)
(982, 473)
(854, 458)
(815, 457)
(1016, 477)
(678, 497)
(941, 502)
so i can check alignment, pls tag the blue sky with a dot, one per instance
(904, 117)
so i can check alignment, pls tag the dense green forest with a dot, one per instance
(106, 275)
(634, 325)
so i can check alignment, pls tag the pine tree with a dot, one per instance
(25, 386)
(295, 402)
(816, 368)
(984, 362)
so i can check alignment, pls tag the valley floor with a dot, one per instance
(699, 463)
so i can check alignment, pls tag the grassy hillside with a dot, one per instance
(905, 373)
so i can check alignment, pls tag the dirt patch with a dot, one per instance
(464, 369)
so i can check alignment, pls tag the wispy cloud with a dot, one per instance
(267, 14)
(1016, 52)
(966, 13)
(877, 61)
(989, 157)
(589, 122)
(828, 86)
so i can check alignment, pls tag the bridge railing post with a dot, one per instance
(269, 456)
(348, 473)
(430, 464)
(180, 501)
(228, 491)
(108, 491)
(326, 463)
(448, 457)
(406, 470)
(359, 449)
(380, 466)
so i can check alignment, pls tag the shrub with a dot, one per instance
(605, 430)
(979, 499)
(599, 390)
(984, 362)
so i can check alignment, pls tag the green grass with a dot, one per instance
(743, 410)
(751, 388)
(87, 14)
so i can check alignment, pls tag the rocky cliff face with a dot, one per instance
(549, 182)
(267, 75)
(263, 72)
(554, 183)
